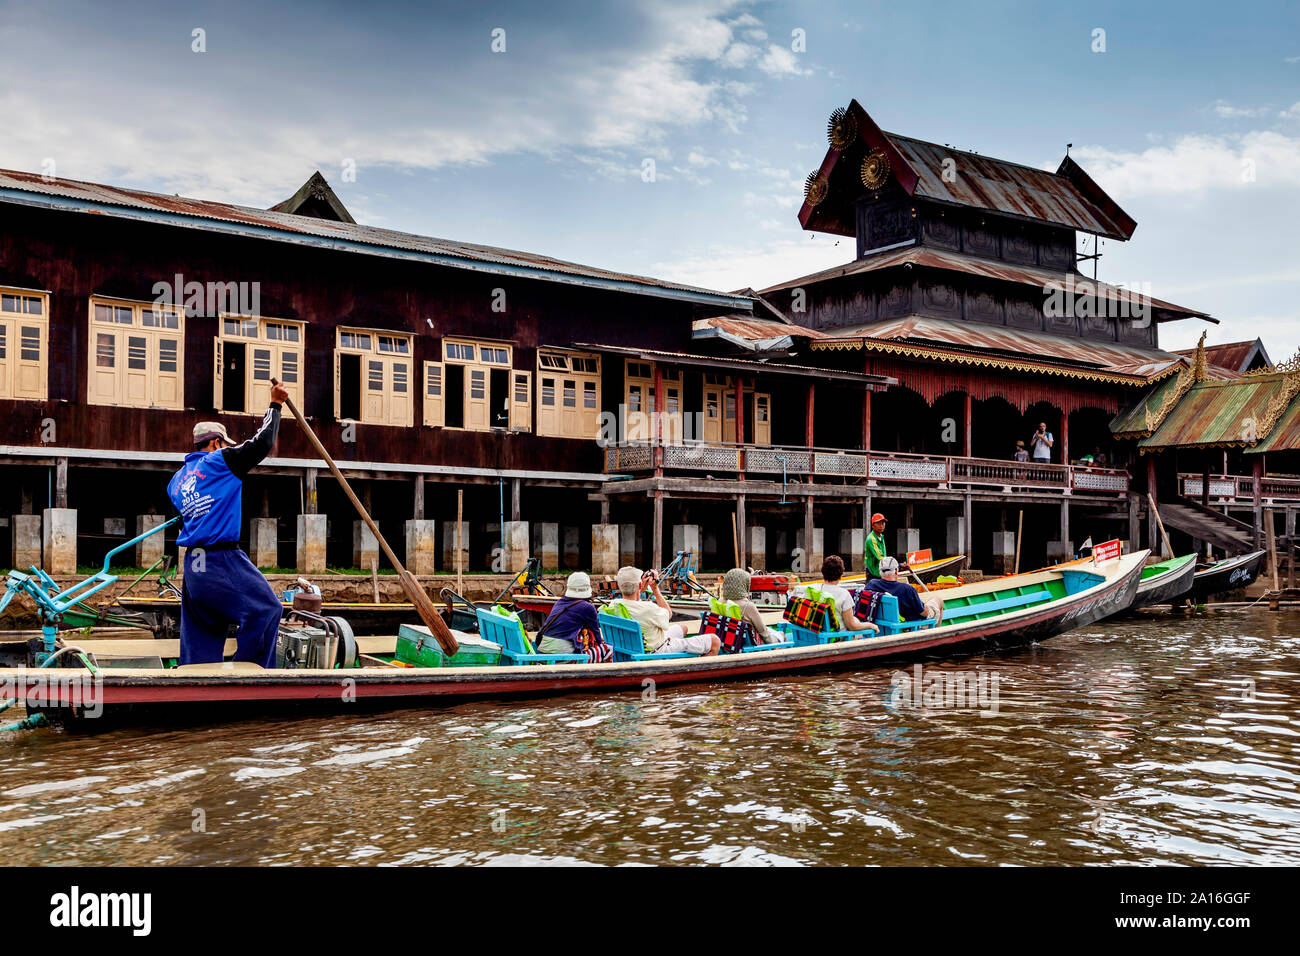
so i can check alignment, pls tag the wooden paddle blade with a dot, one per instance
(428, 613)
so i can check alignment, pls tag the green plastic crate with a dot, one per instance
(416, 645)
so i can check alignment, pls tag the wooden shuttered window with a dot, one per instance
(137, 355)
(24, 344)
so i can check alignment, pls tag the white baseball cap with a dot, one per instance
(888, 564)
(578, 585)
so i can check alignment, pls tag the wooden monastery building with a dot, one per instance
(590, 417)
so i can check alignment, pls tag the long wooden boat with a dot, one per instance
(927, 571)
(1230, 574)
(1050, 602)
(1165, 581)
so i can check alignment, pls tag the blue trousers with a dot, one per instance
(221, 588)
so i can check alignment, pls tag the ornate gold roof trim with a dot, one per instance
(918, 351)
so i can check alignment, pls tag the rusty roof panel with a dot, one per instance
(987, 268)
(341, 232)
(1234, 356)
(1106, 356)
(1002, 186)
(755, 330)
(1216, 413)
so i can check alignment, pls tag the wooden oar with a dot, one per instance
(423, 605)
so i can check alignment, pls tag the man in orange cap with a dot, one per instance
(874, 547)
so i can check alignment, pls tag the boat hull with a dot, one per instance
(163, 695)
(1163, 588)
(1231, 574)
(164, 614)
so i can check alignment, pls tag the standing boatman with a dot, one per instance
(874, 547)
(220, 585)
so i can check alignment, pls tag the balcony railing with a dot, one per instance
(872, 468)
(1239, 489)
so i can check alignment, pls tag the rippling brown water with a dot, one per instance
(1152, 740)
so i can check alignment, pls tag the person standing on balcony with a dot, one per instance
(1041, 444)
(874, 547)
(1022, 454)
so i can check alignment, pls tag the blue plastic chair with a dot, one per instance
(507, 632)
(624, 636)
(782, 628)
(891, 622)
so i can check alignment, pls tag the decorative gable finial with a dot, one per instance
(1199, 366)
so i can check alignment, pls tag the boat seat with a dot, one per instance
(508, 632)
(225, 667)
(624, 635)
(1002, 604)
(781, 628)
(890, 621)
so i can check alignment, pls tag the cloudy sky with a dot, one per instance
(1189, 117)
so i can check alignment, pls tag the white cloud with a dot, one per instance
(781, 61)
(737, 266)
(1226, 110)
(1195, 164)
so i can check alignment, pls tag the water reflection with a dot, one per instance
(1148, 741)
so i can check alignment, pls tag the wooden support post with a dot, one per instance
(1153, 540)
(1065, 438)
(266, 502)
(1020, 530)
(374, 577)
(309, 479)
(657, 549)
(460, 515)
(514, 500)
(654, 406)
(740, 531)
(740, 410)
(60, 482)
(1257, 496)
(604, 510)
(418, 509)
(1155, 512)
(808, 531)
(1205, 483)
(967, 409)
(1134, 525)
(809, 431)
(866, 419)
(968, 515)
(1271, 534)
(1290, 547)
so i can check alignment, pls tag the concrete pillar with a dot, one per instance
(757, 547)
(1059, 551)
(25, 540)
(365, 549)
(263, 542)
(811, 558)
(421, 545)
(852, 547)
(59, 540)
(686, 537)
(547, 544)
(604, 548)
(310, 552)
(573, 548)
(629, 544)
(909, 539)
(449, 546)
(1004, 552)
(515, 539)
(955, 541)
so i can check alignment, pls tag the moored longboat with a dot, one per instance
(1165, 581)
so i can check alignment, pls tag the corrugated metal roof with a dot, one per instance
(987, 268)
(1217, 413)
(1285, 435)
(725, 363)
(95, 197)
(1067, 197)
(1001, 186)
(754, 329)
(1233, 357)
(1112, 357)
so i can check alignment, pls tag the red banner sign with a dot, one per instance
(1106, 551)
(916, 557)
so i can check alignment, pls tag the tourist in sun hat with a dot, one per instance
(658, 633)
(572, 626)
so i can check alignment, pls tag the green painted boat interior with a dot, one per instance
(1164, 567)
(1008, 600)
